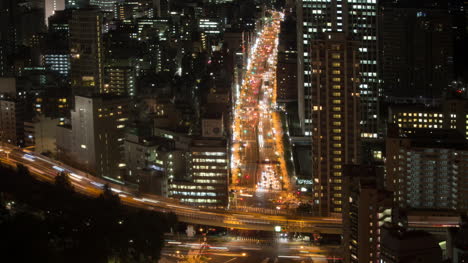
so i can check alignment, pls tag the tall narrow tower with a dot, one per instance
(357, 19)
(335, 117)
(86, 49)
(320, 25)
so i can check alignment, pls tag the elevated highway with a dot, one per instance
(45, 169)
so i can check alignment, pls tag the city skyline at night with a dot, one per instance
(242, 131)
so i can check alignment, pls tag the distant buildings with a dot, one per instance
(105, 5)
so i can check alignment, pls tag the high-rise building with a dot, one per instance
(427, 169)
(76, 3)
(7, 36)
(105, 5)
(417, 49)
(58, 62)
(286, 71)
(86, 49)
(51, 6)
(95, 138)
(366, 207)
(357, 19)
(334, 119)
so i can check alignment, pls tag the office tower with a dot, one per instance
(451, 113)
(417, 49)
(335, 117)
(7, 36)
(28, 25)
(58, 62)
(57, 51)
(95, 138)
(74, 4)
(86, 49)
(400, 246)
(52, 6)
(366, 207)
(357, 19)
(207, 163)
(162, 7)
(427, 169)
(105, 5)
(286, 71)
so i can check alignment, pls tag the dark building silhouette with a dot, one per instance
(417, 49)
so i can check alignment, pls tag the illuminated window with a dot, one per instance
(336, 101)
(336, 56)
(336, 87)
(336, 108)
(336, 64)
(336, 72)
(336, 94)
(336, 79)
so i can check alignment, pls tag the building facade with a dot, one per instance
(366, 208)
(357, 19)
(208, 178)
(334, 120)
(94, 140)
(86, 50)
(427, 169)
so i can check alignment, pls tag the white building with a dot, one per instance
(95, 137)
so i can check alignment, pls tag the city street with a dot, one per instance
(259, 171)
(248, 249)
